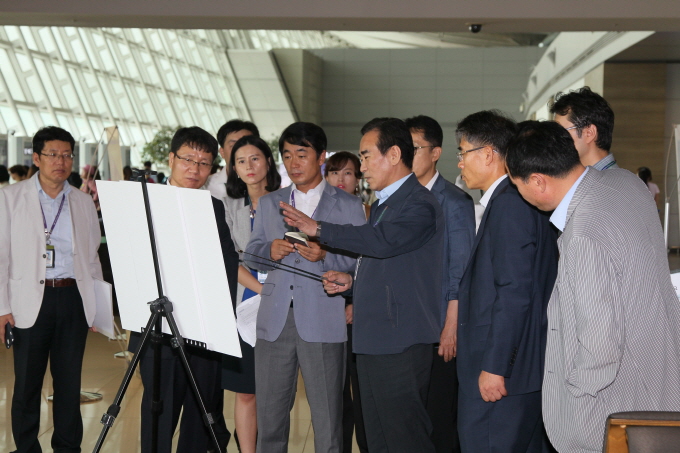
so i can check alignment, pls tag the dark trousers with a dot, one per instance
(514, 424)
(177, 396)
(351, 403)
(442, 404)
(393, 397)
(59, 334)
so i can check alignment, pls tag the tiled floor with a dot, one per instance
(103, 373)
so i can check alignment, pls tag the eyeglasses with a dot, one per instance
(55, 157)
(416, 148)
(570, 128)
(191, 163)
(460, 154)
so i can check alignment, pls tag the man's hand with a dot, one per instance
(93, 329)
(342, 277)
(280, 248)
(298, 219)
(312, 253)
(349, 313)
(448, 341)
(492, 387)
(4, 319)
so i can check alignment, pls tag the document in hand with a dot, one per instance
(103, 317)
(246, 319)
(190, 259)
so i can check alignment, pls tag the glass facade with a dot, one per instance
(85, 79)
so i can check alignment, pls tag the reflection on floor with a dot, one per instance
(103, 373)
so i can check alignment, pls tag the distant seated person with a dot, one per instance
(127, 173)
(75, 180)
(161, 178)
(645, 174)
(4, 176)
(18, 172)
(147, 167)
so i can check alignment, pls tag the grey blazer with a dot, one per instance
(318, 317)
(613, 318)
(237, 215)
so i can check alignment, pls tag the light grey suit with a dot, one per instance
(613, 318)
(237, 215)
(310, 335)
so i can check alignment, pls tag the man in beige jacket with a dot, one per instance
(49, 236)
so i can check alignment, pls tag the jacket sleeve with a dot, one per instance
(339, 260)
(5, 248)
(258, 244)
(95, 238)
(460, 229)
(599, 318)
(414, 225)
(512, 258)
(228, 251)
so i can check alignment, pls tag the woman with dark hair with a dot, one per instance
(645, 174)
(18, 172)
(342, 170)
(251, 173)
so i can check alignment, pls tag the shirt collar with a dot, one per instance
(487, 195)
(64, 191)
(315, 191)
(430, 184)
(384, 194)
(559, 215)
(606, 162)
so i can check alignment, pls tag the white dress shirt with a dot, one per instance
(489, 192)
(217, 184)
(430, 184)
(62, 235)
(307, 202)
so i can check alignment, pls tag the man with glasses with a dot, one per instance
(192, 151)
(503, 297)
(590, 122)
(49, 236)
(459, 216)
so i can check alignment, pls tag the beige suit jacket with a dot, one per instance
(22, 249)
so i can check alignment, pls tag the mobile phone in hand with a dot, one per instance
(9, 335)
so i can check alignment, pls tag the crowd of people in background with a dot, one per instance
(432, 330)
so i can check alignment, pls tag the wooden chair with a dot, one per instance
(643, 432)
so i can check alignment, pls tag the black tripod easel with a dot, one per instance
(160, 308)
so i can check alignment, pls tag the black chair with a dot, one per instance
(643, 432)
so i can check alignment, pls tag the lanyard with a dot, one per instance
(292, 203)
(49, 233)
(610, 164)
(380, 217)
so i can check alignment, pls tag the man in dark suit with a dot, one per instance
(503, 294)
(396, 289)
(192, 151)
(459, 215)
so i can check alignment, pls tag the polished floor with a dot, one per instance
(103, 373)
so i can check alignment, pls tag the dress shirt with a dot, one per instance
(217, 184)
(384, 194)
(487, 195)
(559, 215)
(606, 162)
(430, 184)
(62, 235)
(307, 202)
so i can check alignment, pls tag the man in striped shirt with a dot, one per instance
(613, 337)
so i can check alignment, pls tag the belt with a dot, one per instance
(60, 282)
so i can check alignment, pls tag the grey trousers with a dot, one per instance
(276, 368)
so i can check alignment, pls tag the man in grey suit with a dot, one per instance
(613, 338)
(299, 326)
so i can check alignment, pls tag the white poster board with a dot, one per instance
(190, 259)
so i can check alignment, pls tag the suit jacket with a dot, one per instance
(614, 317)
(459, 217)
(504, 293)
(22, 249)
(318, 316)
(397, 285)
(238, 220)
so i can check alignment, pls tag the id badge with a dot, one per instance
(49, 256)
(261, 276)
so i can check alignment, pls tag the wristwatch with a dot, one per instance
(318, 230)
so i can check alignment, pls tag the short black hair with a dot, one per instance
(196, 138)
(4, 174)
(236, 188)
(429, 127)
(392, 132)
(235, 126)
(148, 162)
(584, 107)
(20, 170)
(339, 160)
(487, 128)
(542, 147)
(304, 134)
(49, 133)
